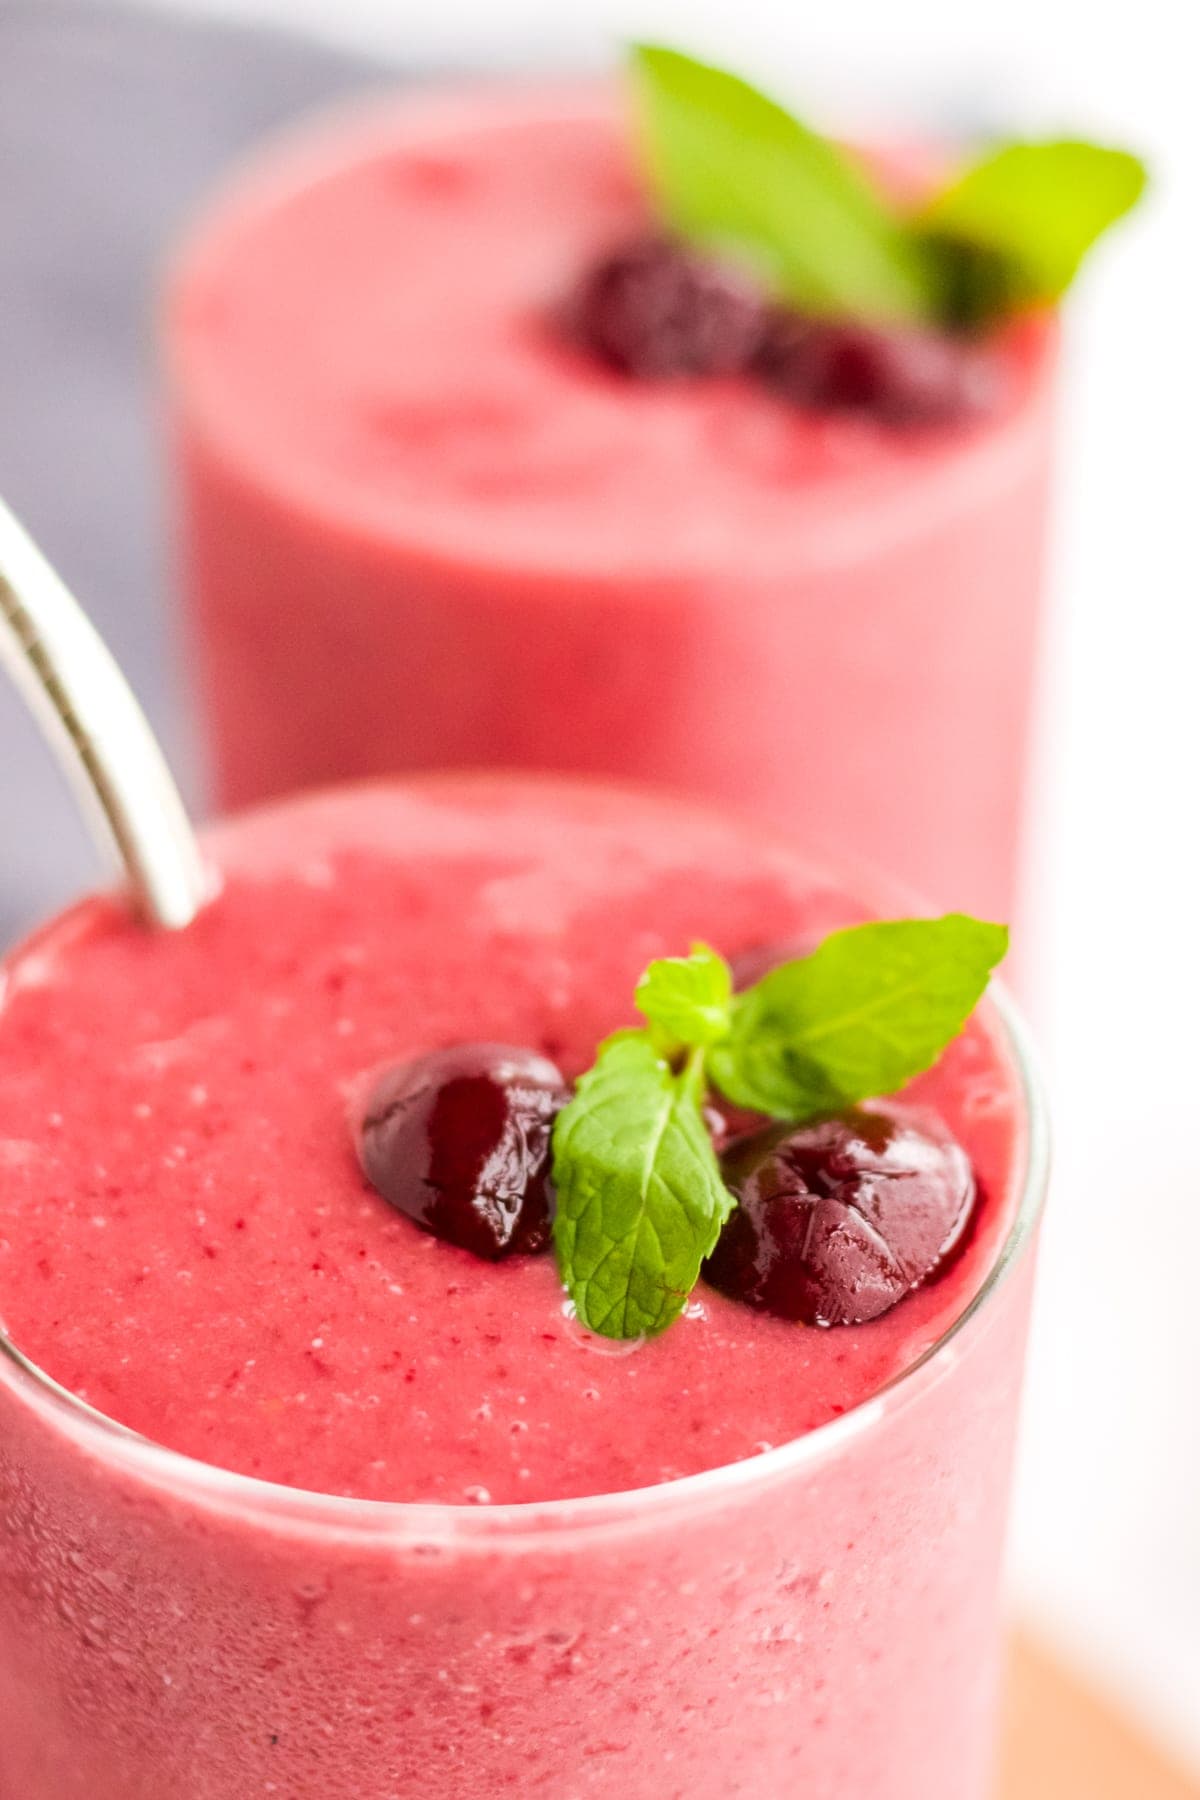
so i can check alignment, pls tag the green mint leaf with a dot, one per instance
(640, 1195)
(873, 1006)
(1037, 208)
(688, 999)
(734, 171)
(975, 284)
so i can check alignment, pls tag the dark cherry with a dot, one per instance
(838, 1221)
(656, 309)
(459, 1140)
(899, 374)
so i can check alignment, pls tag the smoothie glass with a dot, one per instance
(821, 1619)
(419, 531)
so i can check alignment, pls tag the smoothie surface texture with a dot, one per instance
(187, 1242)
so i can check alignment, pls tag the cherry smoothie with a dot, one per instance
(423, 527)
(745, 1557)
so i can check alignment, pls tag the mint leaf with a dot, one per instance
(640, 1196)
(688, 999)
(1040, 207)
(733, 170)
(641, 1199)
(976, 285)
(873, 1006)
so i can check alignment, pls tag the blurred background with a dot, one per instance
(116, 118)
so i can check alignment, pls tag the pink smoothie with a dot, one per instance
(421, 530)
(187, 1245)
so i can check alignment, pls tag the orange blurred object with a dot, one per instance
(1063, 1742)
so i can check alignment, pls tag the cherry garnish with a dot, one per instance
(899, 374)
(459, 1141)
(838, 1221)
(656, 309)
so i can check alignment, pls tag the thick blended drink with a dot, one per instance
(378, 1517)
(424, 526)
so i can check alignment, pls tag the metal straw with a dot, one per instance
(87, 711)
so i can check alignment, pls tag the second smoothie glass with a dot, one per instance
(419, 537)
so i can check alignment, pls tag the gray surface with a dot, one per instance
(113, 122)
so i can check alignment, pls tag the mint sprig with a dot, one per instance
(1039, 208)
(733, 170)
(641, 1200)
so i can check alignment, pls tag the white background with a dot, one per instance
(1107, 1552)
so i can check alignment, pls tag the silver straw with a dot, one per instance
(88, 713)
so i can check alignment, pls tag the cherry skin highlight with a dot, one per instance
(459, 1141)
(836, 1222)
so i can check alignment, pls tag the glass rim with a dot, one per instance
(443, 1523)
